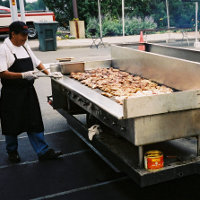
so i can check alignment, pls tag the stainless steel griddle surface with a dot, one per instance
(94, 96)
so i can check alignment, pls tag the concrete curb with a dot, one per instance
(118, 40)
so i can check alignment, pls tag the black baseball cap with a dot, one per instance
(18, 27)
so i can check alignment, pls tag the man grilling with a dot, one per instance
(19, 106)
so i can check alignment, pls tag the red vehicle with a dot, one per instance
(31, 17)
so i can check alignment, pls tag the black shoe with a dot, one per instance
(50, 155)
(14, 157)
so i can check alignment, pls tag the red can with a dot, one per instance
(153, 160)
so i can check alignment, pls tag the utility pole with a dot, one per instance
(21, 4)
(196, 43)
(99, 12)
(123, 22)
(13, 9)
(167, 8)
(75, 10)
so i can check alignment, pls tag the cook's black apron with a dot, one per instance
(19, 106)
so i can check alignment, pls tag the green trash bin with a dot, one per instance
(47, 35)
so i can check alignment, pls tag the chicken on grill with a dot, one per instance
(118, 84)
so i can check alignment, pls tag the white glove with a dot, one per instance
(56, 74)
(29, 75)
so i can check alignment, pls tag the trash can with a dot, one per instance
(47, 35)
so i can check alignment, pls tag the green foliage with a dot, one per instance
(87, 9)
(63, 10)
(92, 24)
(41, 4)
(135, 8)
(113, 27)
(158, 12)
(181, 13)
(5, 3)
(37, 5)
(135, 25)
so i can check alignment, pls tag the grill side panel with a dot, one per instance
(168, 126)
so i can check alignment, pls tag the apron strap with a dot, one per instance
(15, 56)
(27, 51)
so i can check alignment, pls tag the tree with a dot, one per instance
(180, 12)
(158, 12)
(38, 5)
(41, 5)
(89, 8)
(137, 8)
(5, 3)
(62, 8)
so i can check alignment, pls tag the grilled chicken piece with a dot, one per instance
(106, 94)
(119, 84)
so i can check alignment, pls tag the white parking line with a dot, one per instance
(36, 161)
(49, 133)
(79, 189)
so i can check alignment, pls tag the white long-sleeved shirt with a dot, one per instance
(7, 49)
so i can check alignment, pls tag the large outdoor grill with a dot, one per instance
(141, 120)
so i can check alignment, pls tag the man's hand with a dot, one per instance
(30, 75)
(56, 74)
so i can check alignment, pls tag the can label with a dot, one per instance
(153, 160)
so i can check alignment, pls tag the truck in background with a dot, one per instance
(31, 17)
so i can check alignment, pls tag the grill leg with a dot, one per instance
(198, 145)
(140, 154)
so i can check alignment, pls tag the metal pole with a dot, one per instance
(75, 10)
(13, 9)
(21, 4)
(123, 23)
(196, 28)
(168, 20)
(99, 10)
